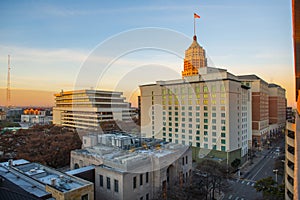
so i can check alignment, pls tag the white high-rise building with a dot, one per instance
(85, 109)
(208, 110)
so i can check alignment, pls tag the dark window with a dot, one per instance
(147, 177)
(85, 197)
(108, 183)
(147, 196)
(134, 182)
(141, 179)
(116, 183)
(186, 160)
(101, 181)
(182, 160)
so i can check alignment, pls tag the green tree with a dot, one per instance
(270, 189)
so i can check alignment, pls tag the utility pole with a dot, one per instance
(8, 83)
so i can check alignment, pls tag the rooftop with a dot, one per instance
(124, 152)
(33, 177)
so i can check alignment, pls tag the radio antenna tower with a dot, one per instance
(8, 83)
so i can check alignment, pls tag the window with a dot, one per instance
(147, 196)
(214, 140)
(141, 198)
(147, 177)
(198, 144)
(190, 137)
(223, 135)
(214, 128)
(213, 114)
(141, 179)
(205, 127)
(85, 197)
(206, 146)
(134, 182)
(205, 139)
(214, 134)
(205, 120)
(197, 138)
(223, 148)
(205, 114)
(222, 114)
(223, 141)
(116, 183)
(101, 180)
(182, 160)
(108, 183)
(205, 108)
(214, 121)
(186, 160)
(205, 89)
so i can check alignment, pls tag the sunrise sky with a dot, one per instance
(50, 42)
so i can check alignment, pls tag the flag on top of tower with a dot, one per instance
(196, 16)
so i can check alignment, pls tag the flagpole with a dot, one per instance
(194, 26)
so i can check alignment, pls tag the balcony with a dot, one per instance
(290, 156)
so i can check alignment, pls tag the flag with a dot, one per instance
(196, 16)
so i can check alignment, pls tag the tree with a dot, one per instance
(270, 189)
(235, 164)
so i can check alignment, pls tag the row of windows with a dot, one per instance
(190, 102)
(205, 114)
(108, 186)
(191, 90)
(134, 180)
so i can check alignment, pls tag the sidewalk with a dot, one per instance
(247, 166)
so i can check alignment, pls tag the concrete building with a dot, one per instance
(260, 108)
(292, 138)
(129, 167)
(85, 109)
(42, 182)
(277, 110)
(207, 109)
(289, 114)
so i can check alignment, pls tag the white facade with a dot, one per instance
(209, 110)
(128, 167)
(85, 109)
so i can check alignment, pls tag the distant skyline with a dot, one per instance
(49, 41)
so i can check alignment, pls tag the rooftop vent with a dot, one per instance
(53, 181)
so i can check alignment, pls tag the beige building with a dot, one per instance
(260, 108)
(45, 183)
(129, 167)
(85, 109)
(292, 139)
(206, 109)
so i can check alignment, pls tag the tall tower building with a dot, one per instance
(292, 137)
(195, 58)
(207, 109)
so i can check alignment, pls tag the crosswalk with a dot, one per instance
(246, 182)
(235, 198)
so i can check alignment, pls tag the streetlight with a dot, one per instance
(275, 171)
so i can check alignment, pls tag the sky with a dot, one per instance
(119, 45)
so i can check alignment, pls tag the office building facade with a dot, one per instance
(86, 109)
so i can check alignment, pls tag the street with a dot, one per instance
(243, 188)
